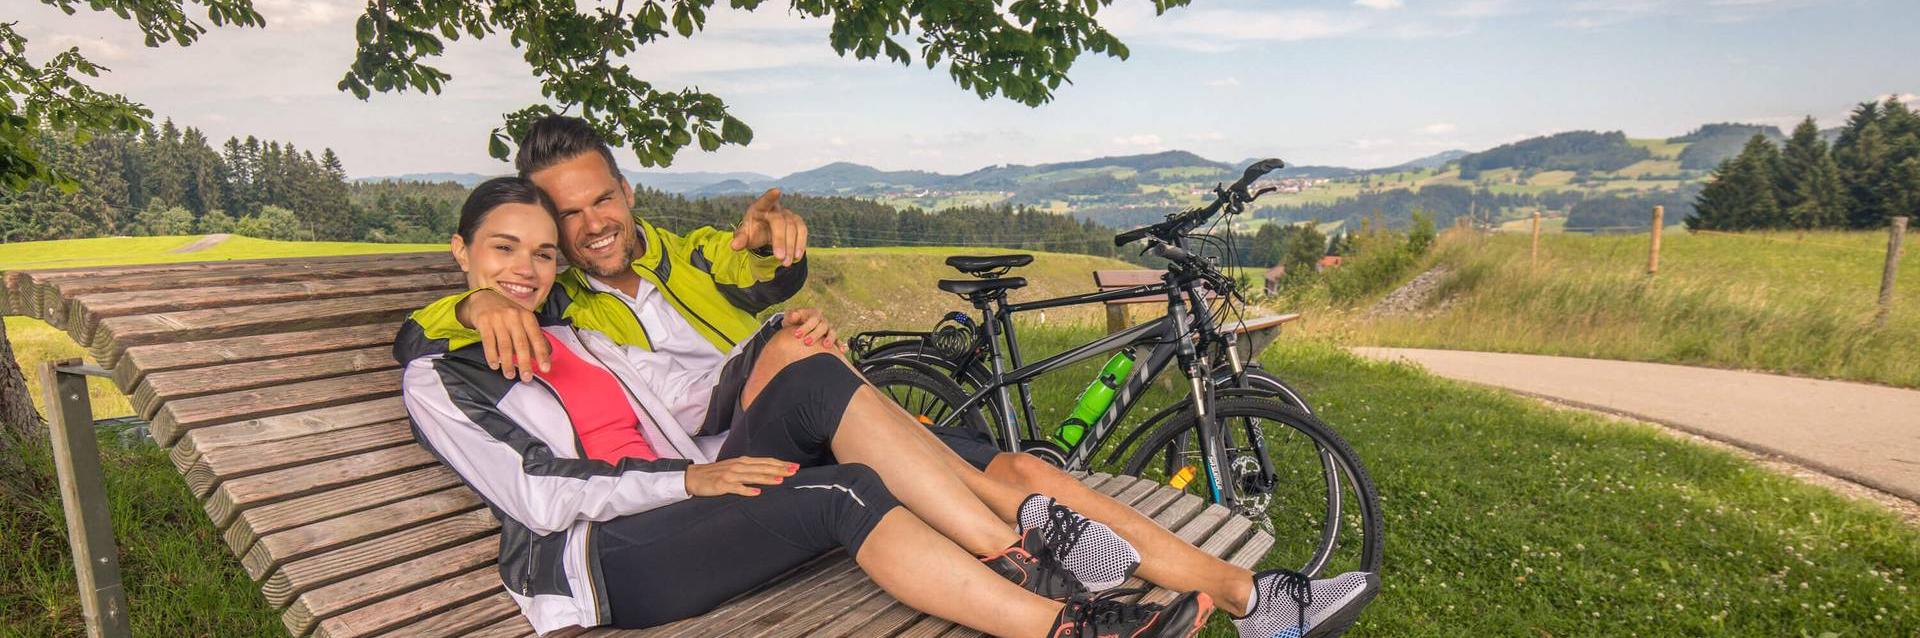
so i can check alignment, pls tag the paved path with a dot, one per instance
(1864, 433)
(203, 243)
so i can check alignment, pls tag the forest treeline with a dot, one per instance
(1870, 173)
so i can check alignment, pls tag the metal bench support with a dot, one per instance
(83, 495)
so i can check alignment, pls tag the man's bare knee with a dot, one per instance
(1025, 470)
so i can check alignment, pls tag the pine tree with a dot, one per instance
(1810, 190)
(1861, 154)
(1743, 194)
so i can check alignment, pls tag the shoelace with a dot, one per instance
(1063, 531)
(1089, 614)
(1298, 587)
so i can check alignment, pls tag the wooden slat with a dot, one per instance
(302, 575)
(139, 361)
(24, 287)
(515, 627)
(86, 311)
(412, 606)
(797, 611)
(53, 296)
(1261, 323)
(182, 384)
(1134, 493)
(284, 426)
(380, 584)
(234, 462)
(119, 333)
(802, 579)
(476, 618)
(179, 416)
(279, 485)
(276, 548)
(313, 508)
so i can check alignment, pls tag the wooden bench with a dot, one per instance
(1255, 334)
(272, 386)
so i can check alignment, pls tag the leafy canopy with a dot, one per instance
(55, 94)
(1017, 49)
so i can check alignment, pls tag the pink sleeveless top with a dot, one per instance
(605, 423)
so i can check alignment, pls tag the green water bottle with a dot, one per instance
(1094, 401)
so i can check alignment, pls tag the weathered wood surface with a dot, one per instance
(273, 385)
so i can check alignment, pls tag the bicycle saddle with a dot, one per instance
(971, 287)
(985, 266)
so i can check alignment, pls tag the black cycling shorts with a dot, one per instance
(796, 414)
(684, 559)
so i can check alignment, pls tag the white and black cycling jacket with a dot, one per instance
(513, 443)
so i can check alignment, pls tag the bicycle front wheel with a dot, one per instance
(1321, 506)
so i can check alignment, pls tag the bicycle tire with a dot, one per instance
(1339, 466)
(925, 397)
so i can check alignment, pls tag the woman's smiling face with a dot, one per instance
(515, 251)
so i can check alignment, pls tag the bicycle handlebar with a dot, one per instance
(1179, 223)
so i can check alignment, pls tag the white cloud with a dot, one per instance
(837, 141)
(300, 15)
(1224, 83)
(95, 48)
(1439, 128)
(1380, 4)
(1365, 144)
(1143, 140)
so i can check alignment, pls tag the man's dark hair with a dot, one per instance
(495, 193)
(558, 138)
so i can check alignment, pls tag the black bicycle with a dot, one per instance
(1240, 437)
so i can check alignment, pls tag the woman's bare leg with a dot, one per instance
(928, 572)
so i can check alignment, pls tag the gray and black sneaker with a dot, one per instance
(1088, 549)
(1287, 604)
(1028, 564)
(1106, 616)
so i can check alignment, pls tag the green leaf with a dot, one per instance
(735, 131)
(497, 145)
(363, 30)
(709, 141)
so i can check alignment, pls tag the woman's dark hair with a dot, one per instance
(493, 194)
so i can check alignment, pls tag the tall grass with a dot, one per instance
(1798, 304)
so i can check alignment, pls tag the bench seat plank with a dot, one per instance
(283, 426)
(119, 333)
(183, 384)
(181, 415)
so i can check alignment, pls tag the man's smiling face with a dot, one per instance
(594, 214)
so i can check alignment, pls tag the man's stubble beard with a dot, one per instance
(625, 264)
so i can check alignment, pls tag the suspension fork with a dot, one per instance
(1213, 442)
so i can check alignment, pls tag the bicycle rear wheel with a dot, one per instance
(927, 398)
(1321, 507)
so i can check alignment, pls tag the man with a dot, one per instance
(695, 297)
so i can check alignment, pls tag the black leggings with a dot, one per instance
(684, 559)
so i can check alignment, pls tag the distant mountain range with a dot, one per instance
(657, 180)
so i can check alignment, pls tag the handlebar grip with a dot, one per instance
(1256, 171)
(1131, 236)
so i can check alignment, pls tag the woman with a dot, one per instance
(616, 511)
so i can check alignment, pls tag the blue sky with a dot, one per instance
(1358, 83)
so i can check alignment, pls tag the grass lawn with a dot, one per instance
(1504, 516)
(1780, 302)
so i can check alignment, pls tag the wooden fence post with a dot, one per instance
(1895, 232)
(83, 495)
(1533, 258)
(1653, 254)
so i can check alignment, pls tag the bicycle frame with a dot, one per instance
(1168, 339)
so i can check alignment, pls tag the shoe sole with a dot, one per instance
(1340, 620)
(1201, 610)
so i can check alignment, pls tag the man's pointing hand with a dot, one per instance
(770, 225)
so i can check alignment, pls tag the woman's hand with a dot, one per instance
(509, 334)
(737, 476)
(810, 326)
